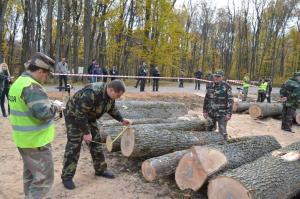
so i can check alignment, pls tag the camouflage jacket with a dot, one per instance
(218, 99)
(291, 90)
(37, 101)
(89, 104)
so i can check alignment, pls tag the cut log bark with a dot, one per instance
(297, 116)
(161, 166)
(177, 125)
(273, 176)
(261, 110)
(151, 142)
(150, 109)
(240, 106)
(213, 159)
(114, 123)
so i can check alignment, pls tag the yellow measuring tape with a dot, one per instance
(119, 135)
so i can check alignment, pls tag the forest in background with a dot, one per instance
(258, 37)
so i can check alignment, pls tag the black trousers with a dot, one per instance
(287, 117)
(142, 84)
(137, 82)
(197, 84)
(155, 84)
(4, 94)
(65, 79)
(181, 83)
(261, 97)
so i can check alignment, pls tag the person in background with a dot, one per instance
(4, 84)
(62, 68)
(262, 90)
(198, 75)
(246, 85)
(269, 90)
(143, 73)
(104, 72)
(139, 73)
(97, 71)
(113, 72)
(91, 69)
(181, 74)
(155, 73)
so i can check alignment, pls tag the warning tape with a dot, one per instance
(239, 82)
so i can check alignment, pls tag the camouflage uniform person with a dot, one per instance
(290, 95)
(218, 103)
(82, 110)
(33, 130)
(246, 85)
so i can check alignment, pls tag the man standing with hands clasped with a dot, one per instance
(218, 103)
(82, 110)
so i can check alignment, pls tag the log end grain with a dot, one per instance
(235, 106)
(255, 111)
(210, 160)
(188, 173)
(225, 187)
(128, 142)
(109, 144)
(148, 171)
(297, 117)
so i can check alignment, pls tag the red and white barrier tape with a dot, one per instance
(239, 82)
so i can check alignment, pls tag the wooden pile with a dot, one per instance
(240, 168)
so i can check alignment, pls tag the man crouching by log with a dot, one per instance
(82, 110)
(218, 103)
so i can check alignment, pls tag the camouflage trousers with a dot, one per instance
(287, 117)
(38, 172)
(72, 151)
(222, 124)
(245, 94)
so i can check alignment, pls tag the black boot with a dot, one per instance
(106, 174)
(69, 184)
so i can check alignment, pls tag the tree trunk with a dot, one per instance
(240, 106)
(176, 125)
(150, 142)
(273, 176)
(297, 116)
(48, 32)
(58, 32)
(114, 123)
(261, 110)
(87, 30)
(209, 160)
(162, 166)
(3, 7)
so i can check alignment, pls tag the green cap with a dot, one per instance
(296, 74)
(218, 73)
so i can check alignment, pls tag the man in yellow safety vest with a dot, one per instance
(262, 90)
(31, 117)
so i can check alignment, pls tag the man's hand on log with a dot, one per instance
(87, 137)
(283, 99)
(227, 117)
(205, 115)
(126, 122)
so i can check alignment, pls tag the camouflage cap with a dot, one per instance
(218, 73)
(296, 74)
(42, 61)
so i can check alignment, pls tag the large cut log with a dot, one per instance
(161, 166)
(151, 142)
(178, 125)
(261, 110)
(297, 116)
(212, 159)
(273, 176)
(240, 106)
(150, 109)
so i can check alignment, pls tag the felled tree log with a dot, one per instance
(161, 166)
(213, 159)
(297, 116)
(240, 106)
(273, 176)
(150, 109)
(151, 142)
(178, 125)
(261, 110)
(114, 123)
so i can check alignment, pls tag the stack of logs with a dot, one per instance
(248, 167)
(262, 110)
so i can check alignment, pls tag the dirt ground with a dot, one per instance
(129, 183)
